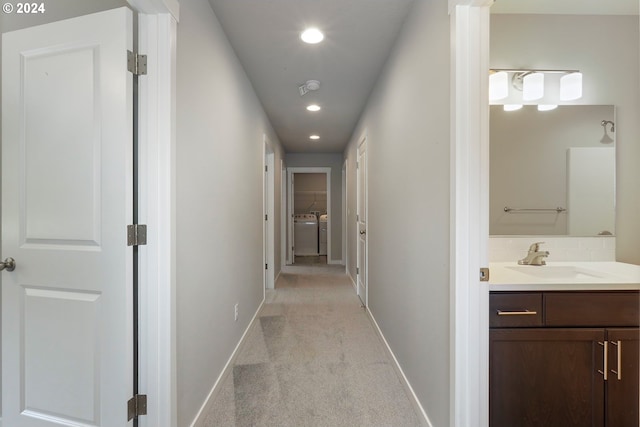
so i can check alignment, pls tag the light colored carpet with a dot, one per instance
(312, 358)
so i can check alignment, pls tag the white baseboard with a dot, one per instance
(425, 422)
(206, 406)
(353, 282)
(335, 261)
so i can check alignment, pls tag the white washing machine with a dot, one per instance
(322, 235)
(305, 234)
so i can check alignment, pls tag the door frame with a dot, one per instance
(363, 298)
(469, 24)
(268, 231)
(290, 207)
(469, 142)
(345, 226)
(284, 197)
(157, 34)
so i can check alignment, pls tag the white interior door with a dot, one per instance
(269, 232)
(292, 239)
(361, 219)
(67, 194)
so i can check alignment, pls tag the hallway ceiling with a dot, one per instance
(359, 34)
(569, 7)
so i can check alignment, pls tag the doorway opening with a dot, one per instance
(308, 213)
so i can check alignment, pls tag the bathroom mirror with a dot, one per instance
(552, 172)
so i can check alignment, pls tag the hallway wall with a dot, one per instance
(219, 212)
(406, 123)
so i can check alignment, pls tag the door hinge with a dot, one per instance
(357, 270)
(266, 217)
(137, 406)
(484, 274)
(136, 235)
(266, 168)
(136, 63)
(266, 266)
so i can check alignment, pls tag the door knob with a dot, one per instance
(9, 264)
(363, 232)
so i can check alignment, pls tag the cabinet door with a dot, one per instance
(622, 382)
(546, 377)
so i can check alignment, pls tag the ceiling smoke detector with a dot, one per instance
(309, 85)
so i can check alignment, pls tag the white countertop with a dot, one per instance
(563, 276)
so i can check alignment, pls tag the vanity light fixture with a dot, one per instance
(498, 85)
(606, 139)
(571, 86)
(314, 137)
(547, 107)
(313, 107)
(312, 36)
(531, 83)
(512, 107)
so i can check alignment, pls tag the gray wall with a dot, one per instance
(220, 126)
(333, 161)
(406, 123)
(55, 10)
(606, 50)
(310, 193)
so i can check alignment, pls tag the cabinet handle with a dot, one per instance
(619, 371)
(516, 313)
(605, 364)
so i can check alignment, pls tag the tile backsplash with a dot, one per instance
(561, 248)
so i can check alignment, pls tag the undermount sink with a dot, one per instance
(557, 272)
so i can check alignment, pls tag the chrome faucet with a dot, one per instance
(535, 256)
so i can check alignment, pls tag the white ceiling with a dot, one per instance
(567, 7)
(359, 35)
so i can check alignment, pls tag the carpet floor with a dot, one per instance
(312, 358)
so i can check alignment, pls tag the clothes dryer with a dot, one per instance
(322, 235)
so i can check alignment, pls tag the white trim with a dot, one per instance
(327, 171)
(268, 203)
(353, 283)
(344, 258)
(157, 7)
(359, 184)
(157, 31)
(283, 216)
(201, 416)
(424, 421)
(469, 328)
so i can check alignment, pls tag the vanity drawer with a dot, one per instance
(518, 309)
(605, 309)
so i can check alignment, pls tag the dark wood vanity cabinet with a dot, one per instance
(549, 352)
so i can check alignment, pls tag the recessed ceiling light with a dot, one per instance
(312, 36)
(313, 107)
(314, 137)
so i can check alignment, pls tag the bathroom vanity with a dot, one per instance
(563, 345)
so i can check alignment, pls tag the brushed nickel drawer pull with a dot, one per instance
(619, 371)
(516, 313)
(606, 359)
